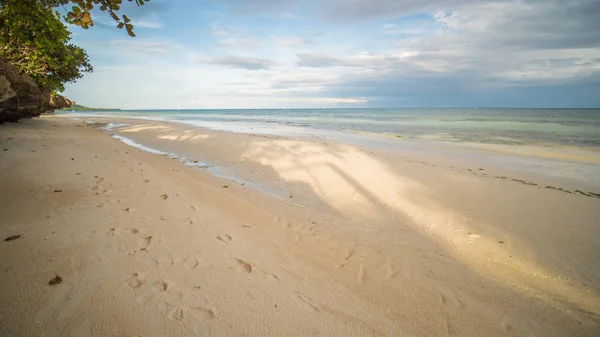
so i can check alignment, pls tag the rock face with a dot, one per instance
(21, 97)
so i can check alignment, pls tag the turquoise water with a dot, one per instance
(552, 127)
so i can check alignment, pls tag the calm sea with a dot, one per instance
(550, 127)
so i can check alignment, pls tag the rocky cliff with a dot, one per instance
(21, 97)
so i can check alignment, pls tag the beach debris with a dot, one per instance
(164, 197)
(583, 193)
(225, 186)
(13, 237)
(501, 242)
(57, 191)
(77, 174)
(55, 281)
(72, 158)
(525, 182)
(559, 189)
(5, 149)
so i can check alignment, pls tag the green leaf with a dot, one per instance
(125, 18)
(86, 17)
(129, 28)
(120, 25)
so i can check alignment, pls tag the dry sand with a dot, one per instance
(338, 240)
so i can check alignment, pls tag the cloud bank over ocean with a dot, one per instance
(375, 53)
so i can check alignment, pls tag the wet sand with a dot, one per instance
(280, 236)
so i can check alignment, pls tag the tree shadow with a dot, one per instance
(388, 237)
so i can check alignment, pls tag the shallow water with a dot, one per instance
(546, 127)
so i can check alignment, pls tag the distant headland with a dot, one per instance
(78, 107)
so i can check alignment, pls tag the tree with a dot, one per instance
(35, 40)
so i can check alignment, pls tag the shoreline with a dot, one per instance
(357, 243)
(576, 168)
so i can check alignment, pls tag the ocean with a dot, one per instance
(543, 127)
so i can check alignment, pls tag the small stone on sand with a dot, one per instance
(12, 237)
(56, 280)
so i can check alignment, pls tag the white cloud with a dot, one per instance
(217, 31)
(242, 62)
(150, 47)
(449, 21)
(147, 24)
(293, 41)
(239, 42)
(290, 15)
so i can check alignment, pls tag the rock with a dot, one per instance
(55, 281)
(21, 97)
(12, 237)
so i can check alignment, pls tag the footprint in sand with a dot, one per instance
(162, 263)
(134, 281)
(202, 318)
(191, 262)
(225, 238)
(126, 240)
(152, 290)
(176, 314)
(145, 242)
(60, 300)
(244, 266)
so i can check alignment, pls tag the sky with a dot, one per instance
(253, 54)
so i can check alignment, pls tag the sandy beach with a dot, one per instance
(250, 235)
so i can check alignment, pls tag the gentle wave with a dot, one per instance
(552, 127)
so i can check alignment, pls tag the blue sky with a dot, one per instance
(195, 54)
